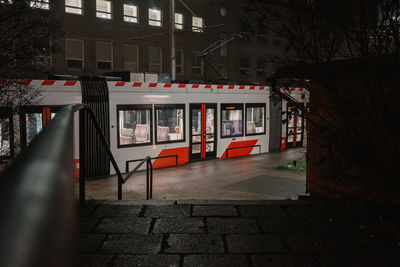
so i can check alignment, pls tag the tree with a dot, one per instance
(26, 38)
(350, 50)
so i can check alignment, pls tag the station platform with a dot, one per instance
(256, 233)
(250, 177)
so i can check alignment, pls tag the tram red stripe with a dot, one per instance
(208, 86)
(48, 82)
(136, 84)
(25, 81)
(120, 84)
(183, 157)
(241, 87)
(262, 87)
(70, 83)
(240, 152)
(168, 85)
(182, 85)
(152, 84)
(220, 86)
(252, 87)
(231, 87)
(195, 86)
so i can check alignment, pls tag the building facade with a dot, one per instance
(102, 36)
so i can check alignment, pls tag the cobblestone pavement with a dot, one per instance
(239, 233)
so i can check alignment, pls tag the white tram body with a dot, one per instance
(173, 123)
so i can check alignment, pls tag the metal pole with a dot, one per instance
(147, 181)
(172, 35)
(151, 179)
(82, 156)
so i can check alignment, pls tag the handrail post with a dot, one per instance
(147, 181)
(119, 188)
(176, 160)
(227, 150)
(151, 179)
(82, 156)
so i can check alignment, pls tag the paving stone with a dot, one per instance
(167, 211)
(147, 261)
(118, 210)
(89, 243)
(124, 225)
(195, 243)
(262, 211)
(308, 243)
(131, 244)
(284, 261)
(277, 225)
(351, 259)
(179, 225)
(87, 224)
(215, 211)
(87, 209)
(94, 260)
(254, 243)
(216, 260)
(232, 225)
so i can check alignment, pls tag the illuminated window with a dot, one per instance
(197, 24)
(155, 17)
(73, 6)
(231, 120)
(155, 55)
(42, 4)
(104, 56)
(255, 119)
(131, 58)
(6, 137)
(134, 125)
(170, 123)
(103, 9)
(130, 13)
(178, 21)
(74, 54)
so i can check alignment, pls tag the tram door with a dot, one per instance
(294, 128)
(203, 131)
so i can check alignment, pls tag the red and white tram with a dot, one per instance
(185, 121)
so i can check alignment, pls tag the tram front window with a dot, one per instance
(134, 126)
(170, 126)
(4, 137)
(232, 121)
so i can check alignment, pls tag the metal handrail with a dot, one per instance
(149, 176)
(162, 157)
(233, 148)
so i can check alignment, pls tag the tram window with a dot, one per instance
(5, 137)
(134, 125)
(34, 125)
(170, 123)
(255, 119)
(231, 120)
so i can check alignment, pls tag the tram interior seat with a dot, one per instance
(251, 127)
(126, 136)
(162, 133)
(142, 132)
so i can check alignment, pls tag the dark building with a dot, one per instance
(103, 36)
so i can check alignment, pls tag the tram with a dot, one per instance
(172, 123)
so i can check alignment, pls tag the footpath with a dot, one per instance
(255, 233)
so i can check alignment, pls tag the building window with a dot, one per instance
(104, 56)
(170, 123)
(130, 13)
(262, 35)
(197, 24)
(179, 61)
(223, 50)
(178, 21)
(103, 9)
(155, 17)
(244, 66)
(155, 55)
(42, 4)
(131, 53)
(74, 53)
(197, 65)
(255, 119)
(231, 120)
(73, 6)
(245, 30)
(224, 72)
(260, 67)
(134, 125)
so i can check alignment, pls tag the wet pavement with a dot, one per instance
(252, 177)
(239, 233)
